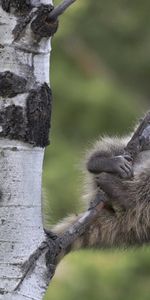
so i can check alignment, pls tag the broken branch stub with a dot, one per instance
(42, 25)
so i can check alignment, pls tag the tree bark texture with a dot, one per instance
(25, 109)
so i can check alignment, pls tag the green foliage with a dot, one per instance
(103, 275)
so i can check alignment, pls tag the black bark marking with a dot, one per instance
(20, 6)
(13, 122)
(30, 124)
(42, 26)
(1, 200)
(22, 23)
(5, 5)
(11, 84)
(39, 103)
(2, 292)
(3, 221)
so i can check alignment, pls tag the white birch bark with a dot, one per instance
(21, 231)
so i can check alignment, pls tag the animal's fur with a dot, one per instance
(124, 225)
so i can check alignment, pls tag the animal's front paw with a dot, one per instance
(122, 165)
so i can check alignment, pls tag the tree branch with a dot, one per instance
(46, 22)
(60, 8)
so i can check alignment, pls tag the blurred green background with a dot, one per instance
(100, 70)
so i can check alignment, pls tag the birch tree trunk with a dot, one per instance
(25, 107)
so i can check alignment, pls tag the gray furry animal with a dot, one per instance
(125, 220)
